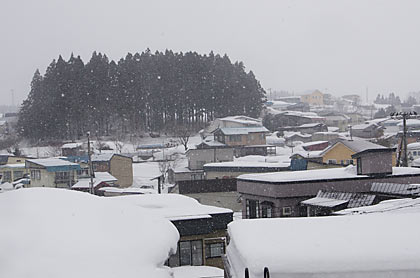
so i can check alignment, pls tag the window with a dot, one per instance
(191, 252)
(17, 175)
(7, 176)
(287, 211)
(214, 250)
(252, 209)
(266, 209)
(35, 174)
(62, 177)
(359, 166)
(332, 161)
(415, 153)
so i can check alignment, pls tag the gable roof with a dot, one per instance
(55, 164)
(241, 130)
(355, 145)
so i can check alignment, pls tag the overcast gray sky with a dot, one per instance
(335, 46)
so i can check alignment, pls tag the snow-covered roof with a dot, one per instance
(348, 172)
(71, 145)
(102, 157)
(55, 164)
(129, 190)
(406, 205)
(364, 126)
(310, 125)
(348, 246)
(248, 164)
(413, 146)
(241, 119)
(18, 165)
(411, 123)
(67, 234)
(356, 145)
(308, 154)
(308, 144)
(99, 178)
(242, 130)
(173, 206)
(324, 202)
(290, 134)
(212, 143)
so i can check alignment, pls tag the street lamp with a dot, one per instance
(403, 162)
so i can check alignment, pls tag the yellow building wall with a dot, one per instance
(316, 98)
(339, 152)
(122, 169)
(16, 160)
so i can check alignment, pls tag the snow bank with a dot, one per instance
(62, 233)
(380, 245)
(197, 272)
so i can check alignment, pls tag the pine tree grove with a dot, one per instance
(143, 92)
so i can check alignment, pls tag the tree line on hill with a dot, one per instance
(143, 92)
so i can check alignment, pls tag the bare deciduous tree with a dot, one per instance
(183, 135)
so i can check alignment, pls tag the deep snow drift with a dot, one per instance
(63, 233)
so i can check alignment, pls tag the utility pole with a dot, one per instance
(91, 174)
(402, 160)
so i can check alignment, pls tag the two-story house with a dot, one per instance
(52, 172)
(245, 140)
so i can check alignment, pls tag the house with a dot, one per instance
(292, 137)
(337, 120)
(305, 128)
(373, 245)
(275, 120)
(101, 179)
(341, 152)
(370, 130)
(245, 136)
(11, 159)
(118, 165)
(245, 140)
(356, 118)
(13, 172)
(313, 98)
(315, 146)
(52, 172)
(232, 122)
(325, 136)
(280, 194)
(411, 124)
(73, 149)
(230, 170)
(412, 136)
(202, 228)
(207, 152)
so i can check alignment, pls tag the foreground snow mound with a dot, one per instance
(197, 272)
(62, 233)
(380, 245)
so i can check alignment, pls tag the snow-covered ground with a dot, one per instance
(63, 233)
(197, 272)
